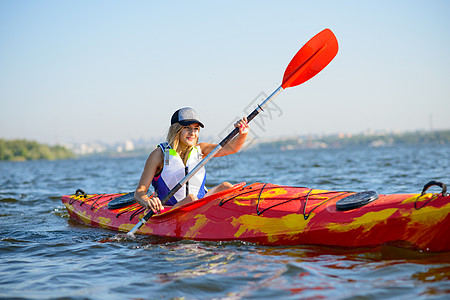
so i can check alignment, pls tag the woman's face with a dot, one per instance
(189, 134)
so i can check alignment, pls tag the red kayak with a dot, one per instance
(269, 214)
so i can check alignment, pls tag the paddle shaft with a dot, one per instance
(315, 55)
(207, 158)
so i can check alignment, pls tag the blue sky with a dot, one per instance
(80, 71)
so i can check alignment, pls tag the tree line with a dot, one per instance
(19, 150)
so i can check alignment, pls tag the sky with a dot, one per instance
(84, 71)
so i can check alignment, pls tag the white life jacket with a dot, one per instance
(174, 171)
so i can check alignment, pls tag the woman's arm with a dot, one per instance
(232, 146)
(152, 167)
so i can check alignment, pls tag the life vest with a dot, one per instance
(174, 171)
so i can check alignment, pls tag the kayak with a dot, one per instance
(269, 214)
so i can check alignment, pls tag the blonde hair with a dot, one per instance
(173, 138)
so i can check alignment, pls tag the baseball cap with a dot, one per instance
(185, 116)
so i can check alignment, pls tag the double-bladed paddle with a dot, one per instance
(312, 58)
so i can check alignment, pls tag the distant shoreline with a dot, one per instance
(24, 150)
(437, 137)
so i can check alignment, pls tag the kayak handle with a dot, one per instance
(80, 192)
(437, 183)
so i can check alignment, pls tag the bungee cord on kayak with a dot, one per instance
(106, 198)
(305, 215)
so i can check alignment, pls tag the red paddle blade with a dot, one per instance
(312, 58)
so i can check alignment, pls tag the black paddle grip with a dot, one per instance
(232, 134)
(229, 137)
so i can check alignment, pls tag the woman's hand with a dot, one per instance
(153, 203)
(243, 126)
(153, 165)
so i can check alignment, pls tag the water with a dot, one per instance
(45, 255)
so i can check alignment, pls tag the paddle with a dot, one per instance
(313, 57)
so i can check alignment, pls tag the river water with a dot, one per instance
(45, 255)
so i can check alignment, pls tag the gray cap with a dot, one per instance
(185, 116)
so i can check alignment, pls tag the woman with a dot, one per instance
(171, 161)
